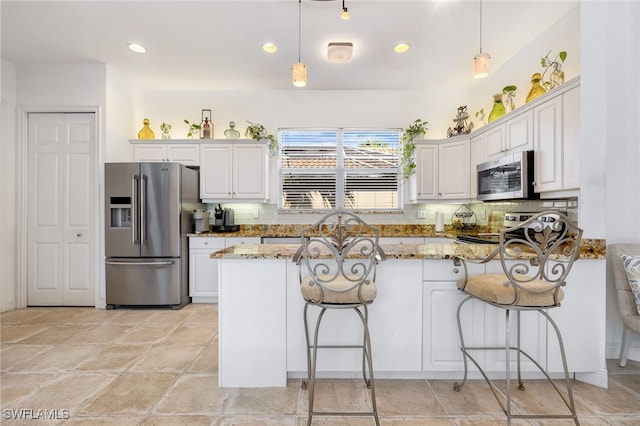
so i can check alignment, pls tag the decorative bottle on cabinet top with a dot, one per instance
(498, 108)
(146, 132)
(536, 88)
(231, 132)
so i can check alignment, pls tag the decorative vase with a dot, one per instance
(231, 132)
(166, 134)
(536, 88)
(146, 132)
(556, 78)
(498, 108)
(206, 125)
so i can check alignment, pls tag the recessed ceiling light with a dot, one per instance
(138, 48)
(269, 47)
(401, 47)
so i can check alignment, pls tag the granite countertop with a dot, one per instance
(589, 249)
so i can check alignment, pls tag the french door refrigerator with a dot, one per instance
(148, 216)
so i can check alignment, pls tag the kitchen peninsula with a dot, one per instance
(412, 321)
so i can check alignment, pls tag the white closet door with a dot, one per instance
(61, 210)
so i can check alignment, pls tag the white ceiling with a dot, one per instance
(216, 44)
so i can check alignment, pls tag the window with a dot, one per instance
(325, 169)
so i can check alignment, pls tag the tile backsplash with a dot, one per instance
(488, 213)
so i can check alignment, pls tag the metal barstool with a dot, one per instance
(536, 257)
(337, 265)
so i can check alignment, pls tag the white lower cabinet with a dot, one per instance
(203, 271)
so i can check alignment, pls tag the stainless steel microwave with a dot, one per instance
(507, 178)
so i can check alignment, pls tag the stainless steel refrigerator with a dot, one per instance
(148, 216)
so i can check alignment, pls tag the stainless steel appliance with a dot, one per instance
(510, 220)
(224, 220)
(148, 215)
(507, 178)
(200, 221)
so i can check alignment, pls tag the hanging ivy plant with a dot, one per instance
(407, 156)
(259, 132)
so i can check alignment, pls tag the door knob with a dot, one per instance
(78, 235)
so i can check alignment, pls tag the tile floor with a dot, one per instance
(159, 367)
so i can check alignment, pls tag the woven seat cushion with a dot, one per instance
(492, 288)
(311, 291)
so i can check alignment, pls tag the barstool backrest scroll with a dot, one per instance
(339, 254)
(543, 247)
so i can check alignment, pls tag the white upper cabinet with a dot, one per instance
(443, 169)
(233, 171)
(187, 152)
(557, 143)
(515, 134)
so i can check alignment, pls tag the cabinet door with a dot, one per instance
(454, 170)
(571, 139)
(427, 172)
(203, 271)
(250, 171)
(519, 133)
(150, 152)
(187, 154)
(478, 154)
(215, 171)
(548, 145)
(494, 143)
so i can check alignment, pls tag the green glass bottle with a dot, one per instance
(498, 108)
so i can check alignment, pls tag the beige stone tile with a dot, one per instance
(102, 421)
(68, 392)
(18, 316)
(407, 397)
(616, 400)
(258, 421)
(114, 358)
(19, 332)
(133, 316)
(56, 316)
(17, 353)
(264, 401)
(621, 420)
(148, 334)
(130, 393)
(60, 358)
(93, 316)
(475, 398)
(204, 314)
(630, 381)
(101, 333)
(584, 421)
(168, 358)
(206, 362)
(337, 395)
(55, 334)
(192, 334)
(169, 317)
(417, 421)
(489, 421)
(16, 386)
(338, 421)
(194, 395)
(539, 397)
(187, 420)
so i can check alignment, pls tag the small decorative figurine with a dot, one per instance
(461, 127)
(146, 132)
(165, 128)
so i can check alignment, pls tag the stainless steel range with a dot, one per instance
(510, 220)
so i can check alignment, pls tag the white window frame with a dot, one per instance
(340, 172)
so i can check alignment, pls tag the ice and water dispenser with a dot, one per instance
(120, 212)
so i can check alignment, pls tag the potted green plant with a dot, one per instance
(556, 77)
(408, 149)
(509, 92)
(165, 129)
(194, 129)
(259, 132)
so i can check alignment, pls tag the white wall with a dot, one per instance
(8, 234)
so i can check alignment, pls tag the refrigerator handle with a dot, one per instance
(143, 209)
(134, 209)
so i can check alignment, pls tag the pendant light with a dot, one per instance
(299, 70)
(481, 60)
(345, 12)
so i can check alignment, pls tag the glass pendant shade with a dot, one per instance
(299, 74)
(481, 65)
